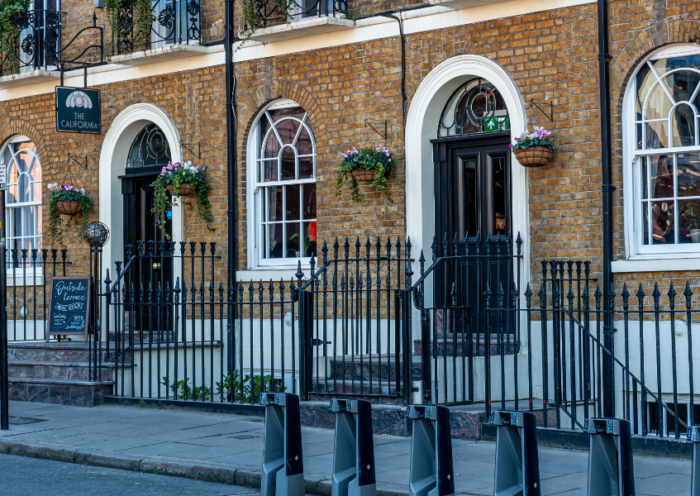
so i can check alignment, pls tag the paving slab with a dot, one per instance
(227, 448)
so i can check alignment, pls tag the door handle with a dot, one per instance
(156, 266)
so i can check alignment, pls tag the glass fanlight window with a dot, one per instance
(149, 148)
(475, 107)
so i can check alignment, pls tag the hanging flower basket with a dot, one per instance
(533, 149)
(20, 19)
(362, 175)
(68, 207)
(370, 166)
(535, 156)
(185, 189)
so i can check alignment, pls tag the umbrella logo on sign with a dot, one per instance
(79, 99)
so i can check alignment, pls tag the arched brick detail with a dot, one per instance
(13, 127)
(655, 36)
(275, 90)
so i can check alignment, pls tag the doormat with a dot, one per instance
(25, 420)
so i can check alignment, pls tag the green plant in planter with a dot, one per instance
(144, 20)
(66, 192)
(230, 387)
(8, 31)
(176, 175)
(378, 160)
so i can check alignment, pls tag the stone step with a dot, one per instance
(58, 391)
(377, 392)
(460, 347)
(42, 351)
(79, 371)
(367, 368)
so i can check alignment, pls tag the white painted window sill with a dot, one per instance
(656, 265)
(302, 28)
(31, 77)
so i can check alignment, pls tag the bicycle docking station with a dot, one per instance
(517, 462)
(432, 472)
(353, 455)
(610, 466)
(283, 464)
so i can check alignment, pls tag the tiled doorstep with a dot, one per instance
(228, 448)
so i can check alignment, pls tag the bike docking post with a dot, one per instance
(517, 460)
(353, 456)
(694, 437)
(432, 472)
(610, 468)
(283, 465)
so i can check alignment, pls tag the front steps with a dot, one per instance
(57, 373)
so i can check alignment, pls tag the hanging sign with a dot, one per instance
(78, 110)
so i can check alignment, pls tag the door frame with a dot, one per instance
(115, 149)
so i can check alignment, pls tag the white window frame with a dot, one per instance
(33, 275)
(255, 196)
(632, 169)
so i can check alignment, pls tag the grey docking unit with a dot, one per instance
(432, 472)
(517, 460)
(610, 464)
(353, 456)
(283, 463)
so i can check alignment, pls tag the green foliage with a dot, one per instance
(176, 175)
(8, 32)
(144, 21)
(230, 387)
(66, 192)
(183, 391)
(690, 212)
(253, 15)
(538, 137)
(376, 159)
(112, 8)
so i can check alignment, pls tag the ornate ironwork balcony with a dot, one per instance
(172, 22)
(272, 12)
(36, 44)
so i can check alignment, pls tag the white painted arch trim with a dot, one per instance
(421, 127)
(115, 149)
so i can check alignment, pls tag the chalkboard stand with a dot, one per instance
(57, 299)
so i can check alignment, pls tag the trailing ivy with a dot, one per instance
(144, 21)
(66, 192)
(254, 19)
(8, 32)
(112, 8)
(177, 175)
(377, 159)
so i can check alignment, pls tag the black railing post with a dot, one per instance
(305, 331)
(4, 385)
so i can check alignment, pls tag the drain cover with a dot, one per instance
(25, 420)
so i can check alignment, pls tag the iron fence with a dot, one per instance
(168, 22)
(34, 44)
(269, 12)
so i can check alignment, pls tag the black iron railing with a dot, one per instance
(35, 44)
(271, 12)
(169, 22)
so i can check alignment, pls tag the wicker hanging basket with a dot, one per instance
(185, 189)
(362, 175)
(68, 207)
(535, 156)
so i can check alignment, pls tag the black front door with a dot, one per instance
(152, 271)
(473, 220)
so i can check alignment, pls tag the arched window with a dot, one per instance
(284, 186)
(23, 198)
(666, 155)
(475, 107)
(149, 148)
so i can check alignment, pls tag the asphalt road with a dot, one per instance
(20, 476)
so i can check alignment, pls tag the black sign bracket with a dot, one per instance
(533, 103)
(79, 162)
(189, 148)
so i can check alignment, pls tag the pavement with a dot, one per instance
(226, 448)
(20, 476)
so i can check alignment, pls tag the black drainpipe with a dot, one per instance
(608, 189)
(232, 171)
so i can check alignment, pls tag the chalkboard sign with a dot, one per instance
(69, 306)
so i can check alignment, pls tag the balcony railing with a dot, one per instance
(271, 12)
(173, 22)
(34, 45)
